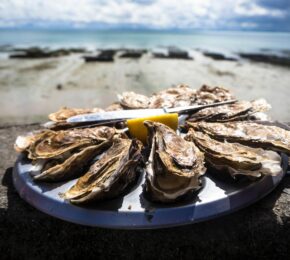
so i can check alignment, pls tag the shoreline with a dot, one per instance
(32, 88)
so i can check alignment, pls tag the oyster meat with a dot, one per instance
(64, 113)
(235, 158)
(110, 175)
(174, 165)
(249, 133)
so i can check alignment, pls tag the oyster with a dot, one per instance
(174, 165)
(49, 144)
(131, 100)
(207, 95)
(69, 165)
(223, 113)
(23, 142)
(236, 158)
(249, 133)
(114, 107)
(110, 175)
(181, 95)
(64, 113)
(231, 112)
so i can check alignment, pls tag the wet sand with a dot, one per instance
(32, 88)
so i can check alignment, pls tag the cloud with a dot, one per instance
(157, 14)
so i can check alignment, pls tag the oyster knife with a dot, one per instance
(135, 113)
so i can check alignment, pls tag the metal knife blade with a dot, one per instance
(115, 115)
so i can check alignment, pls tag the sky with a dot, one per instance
(264, 15)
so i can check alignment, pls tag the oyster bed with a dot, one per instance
(107, 161)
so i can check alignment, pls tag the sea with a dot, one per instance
(219, 41)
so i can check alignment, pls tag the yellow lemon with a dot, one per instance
(139, 131)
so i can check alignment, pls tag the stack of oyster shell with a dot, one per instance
(235, 139)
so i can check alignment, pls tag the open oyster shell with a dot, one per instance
(174, 165)
(64, 113)
(249, 133)
(236, 158)
(110, 175)
(69, 165)
(49, 144)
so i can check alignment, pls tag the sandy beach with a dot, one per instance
(32, 88)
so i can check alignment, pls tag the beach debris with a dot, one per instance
(37, 52)
(103, 56)
(267, 58)
(235, 158)
(218, 56)
(136, 54)
(110, 175)
(59, 87)
(249, 133)
(174, 165)
(173, 53)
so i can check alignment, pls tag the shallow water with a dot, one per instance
(212, 40)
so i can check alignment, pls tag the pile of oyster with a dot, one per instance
(235, 139)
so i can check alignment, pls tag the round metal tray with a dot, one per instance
(133, 211)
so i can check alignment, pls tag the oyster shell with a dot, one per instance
(207, 95)
(23, 142)
(110, 175)
(69, 165)
(231, 112)
(174, 165)
(131, 100)
(114, 107)
(223, 113)
(64, 113)
(236, 158)
(249, 133)
(181, 95)
(49, 144)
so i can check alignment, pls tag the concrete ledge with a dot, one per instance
(259, 231)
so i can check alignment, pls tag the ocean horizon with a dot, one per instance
(221, 41)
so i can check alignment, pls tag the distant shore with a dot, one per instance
(37, 81)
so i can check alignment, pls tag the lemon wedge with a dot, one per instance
(139, 131)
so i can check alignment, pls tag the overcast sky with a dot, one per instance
(152, 14)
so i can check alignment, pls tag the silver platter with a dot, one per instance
(133, 211)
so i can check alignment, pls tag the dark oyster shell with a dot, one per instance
(235, 158)
(69, 165)
(174, 165)
(49, 144)
(249, 133)
(110, 175)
